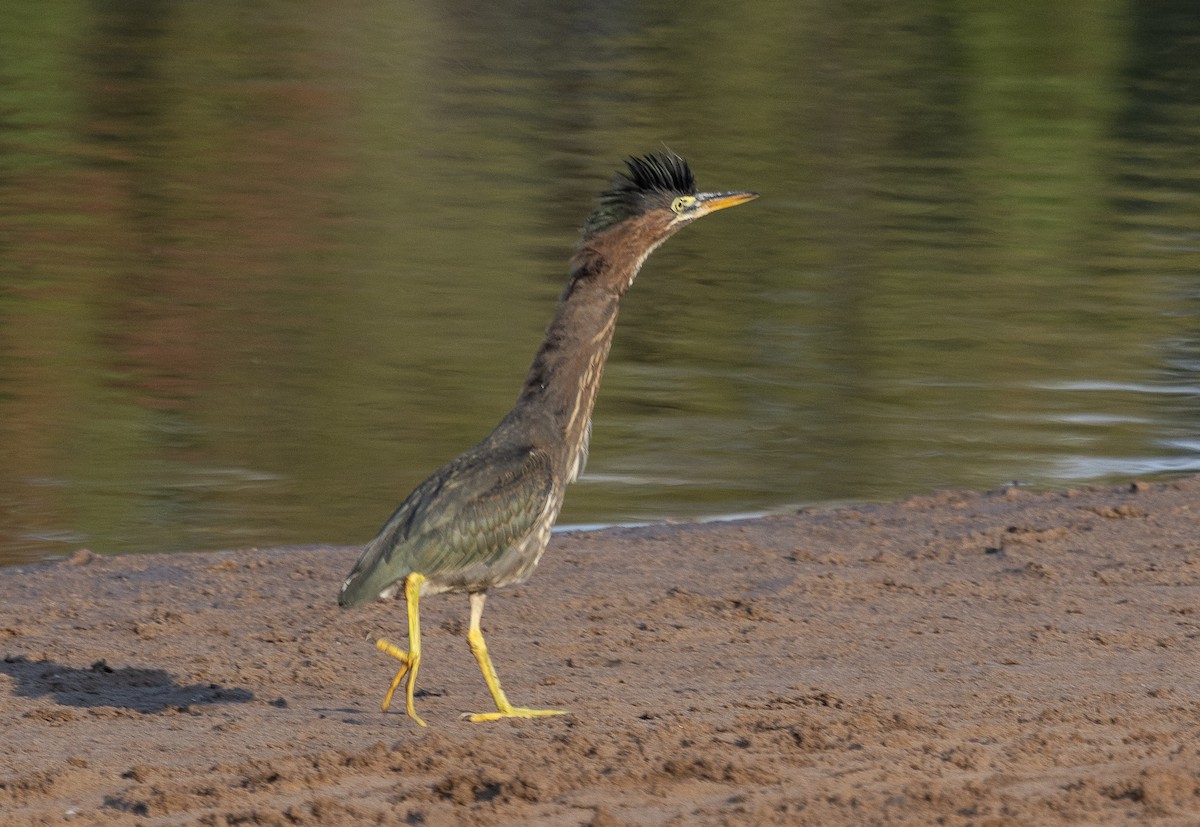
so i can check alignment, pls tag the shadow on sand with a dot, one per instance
(140, 690)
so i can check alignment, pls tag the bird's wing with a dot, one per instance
(471, 511)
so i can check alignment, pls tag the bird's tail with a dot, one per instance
(369, 581)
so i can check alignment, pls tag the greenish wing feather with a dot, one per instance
(471, 511)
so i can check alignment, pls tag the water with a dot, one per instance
(265, 266)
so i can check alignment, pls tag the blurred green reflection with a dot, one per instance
(265, 266)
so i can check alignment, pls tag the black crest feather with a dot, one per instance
(652, 179)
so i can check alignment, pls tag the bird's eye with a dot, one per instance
(682, 203)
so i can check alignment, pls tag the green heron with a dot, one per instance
(483, 520)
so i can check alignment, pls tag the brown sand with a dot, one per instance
(983, 659)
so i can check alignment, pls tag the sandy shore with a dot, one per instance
(983, 659)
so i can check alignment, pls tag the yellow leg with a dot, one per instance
(412, 658)
(478, 648)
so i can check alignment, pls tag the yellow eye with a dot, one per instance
(682, 203)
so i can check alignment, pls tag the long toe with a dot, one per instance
(514, 712)
(388, 648)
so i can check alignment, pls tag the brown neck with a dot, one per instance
(560, 389)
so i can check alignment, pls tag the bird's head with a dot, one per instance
(655, 198)
(641, 209)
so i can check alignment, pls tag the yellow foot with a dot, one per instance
(389, 648)
(514, 712)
